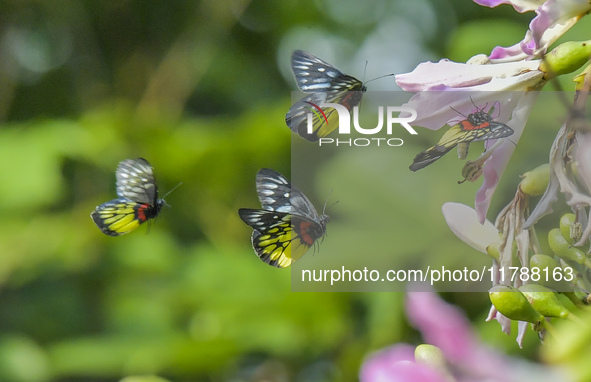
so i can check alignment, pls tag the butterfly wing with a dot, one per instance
(287, 226)
(326, 119)
(450, 139)
(462, 133)
(277, 194)
(486, 131)
(273, 239)
(119, 216)
(314, 75)
(135, 181)
(138, 199)
(274, 190)
(327, 85)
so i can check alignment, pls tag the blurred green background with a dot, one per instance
(200, 89)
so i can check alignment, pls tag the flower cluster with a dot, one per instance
(509, 78)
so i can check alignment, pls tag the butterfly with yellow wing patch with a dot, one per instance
(478, 126)
(287, 226)
(326, 84)
(137, 203)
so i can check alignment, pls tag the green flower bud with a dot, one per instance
(567, 303)
(543, 261)
(578, 301)
(430, 355)
(548, 273)
(565, 58)
(511, 303)
(544, 301)
(534, 182)
(433, 357)
(570, 228)
(564, 250)
(566, 223)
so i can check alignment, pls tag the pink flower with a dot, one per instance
(446, 88)
(397, 364)
(510, 77)
(466, 358)
(554, 18)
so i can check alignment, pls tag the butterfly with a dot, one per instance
(326, 84)
(287, 226)
(478, 126)
(138, 199)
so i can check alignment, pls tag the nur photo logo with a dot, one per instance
(393, 115)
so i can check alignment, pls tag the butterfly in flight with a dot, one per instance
(326, 84)
(287, 226)
(138, 199)
(478, 126)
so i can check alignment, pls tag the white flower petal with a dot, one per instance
(463, 222)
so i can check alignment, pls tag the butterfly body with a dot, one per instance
(326, 84)
(477, 127)
(287, 226)
(137, 203)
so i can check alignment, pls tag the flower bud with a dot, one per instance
(542, 261)
(511, 303)
(433, 357)
(544, 301)
(571, 230)
(549, 277)
(565, 58)
(534, 182)
(567, 302)
(564, 250)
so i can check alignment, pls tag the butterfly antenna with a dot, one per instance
(168, 193)
(377, 78)
(373, 79)
(451, 107)
(477, 108)
(329, 207)
(326, 202)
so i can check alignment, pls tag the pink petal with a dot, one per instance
(396, 364)
(554, 18)
(519, 5)
(447, 74)
(441, 324)
(496, 164)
